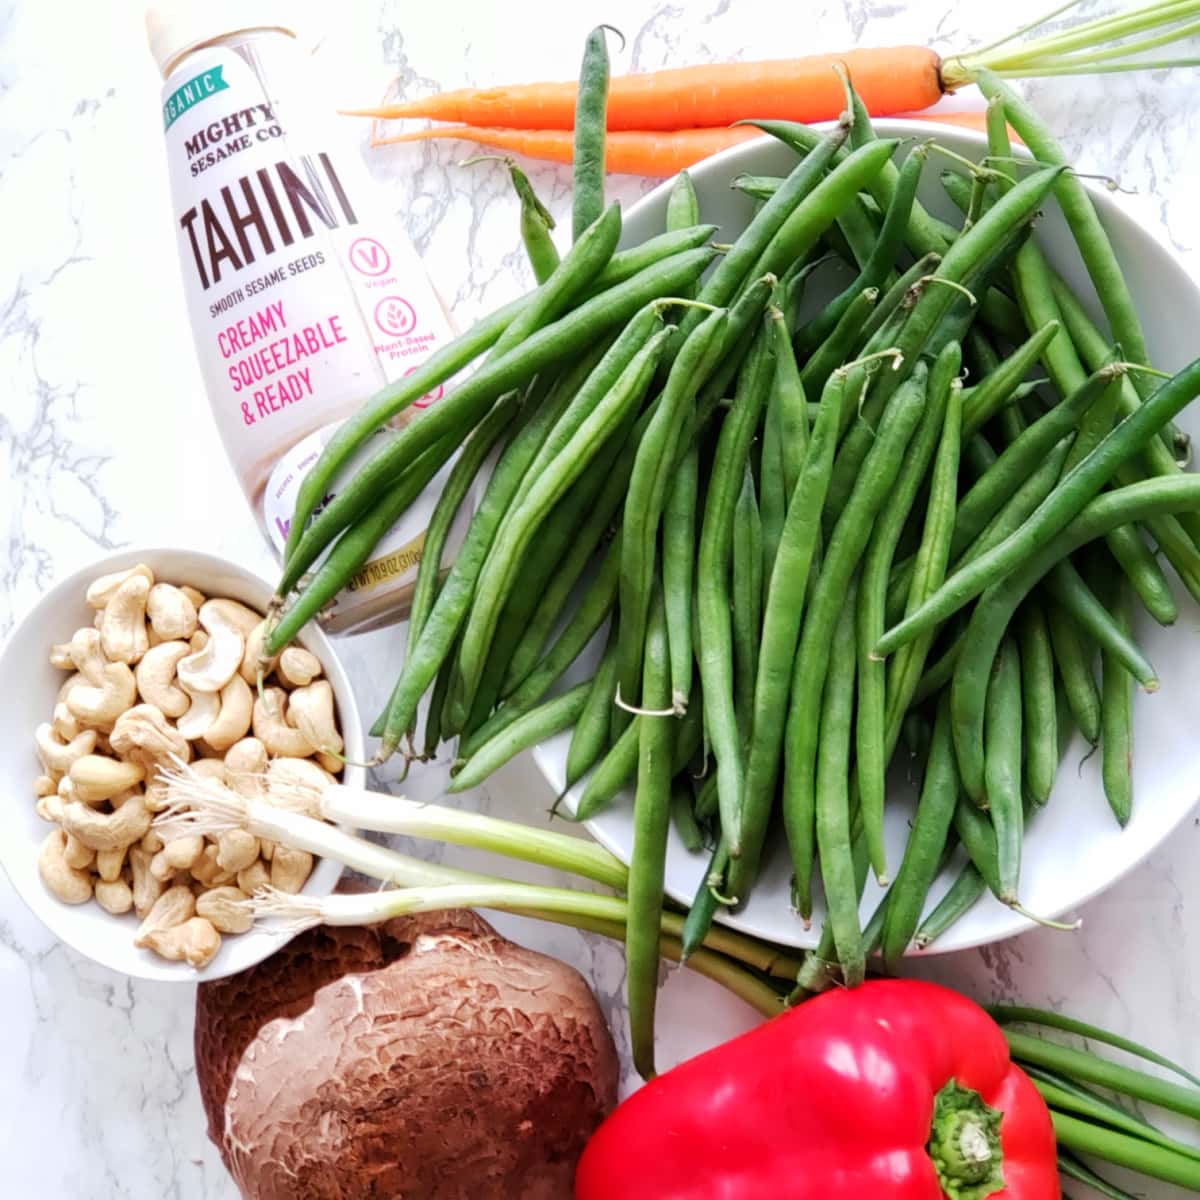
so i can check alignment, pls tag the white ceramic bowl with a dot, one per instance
(33, 684)
(1073, 848)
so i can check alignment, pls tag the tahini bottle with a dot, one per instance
(303, 300)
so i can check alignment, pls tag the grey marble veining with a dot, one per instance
(99, 391)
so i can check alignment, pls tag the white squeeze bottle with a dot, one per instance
(303, 299)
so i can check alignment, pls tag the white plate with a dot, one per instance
(1073, 848)
(31, 686)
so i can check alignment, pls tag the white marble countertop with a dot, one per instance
(99, 389)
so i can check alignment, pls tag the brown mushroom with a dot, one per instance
(425, 1057)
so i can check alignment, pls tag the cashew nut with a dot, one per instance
(233, 721)
(145, 737)
(298, 667)
(96, 778)
(203, 709)
(208, 871)
(58, 756)
(196, 942)
(161, 869)
(106, 587)
(233, 612)
(100, 705)
(114, 896)
(65, 723)
(123, 630)
(172, 908)
(256, 875)
(107, 831)
(225, 907)
(171, 613)
(266, 849)
(273, 729)
(245, 764)
(146, 889)
(43, 786)
(310, 709)
(68, 686)
(211, 668)
(196, 596)
(252, 658)
(236, 850)
(88, 655)
(290, 869)
(110, 863)
(67, 883)
(151, 842)
(155, 676)
(77, 855)
(183, 852)
(60, 657)
(198, 641)
(296, 784)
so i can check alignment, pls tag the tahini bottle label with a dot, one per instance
(302, 302)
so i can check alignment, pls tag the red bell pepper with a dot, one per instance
(896, 1090)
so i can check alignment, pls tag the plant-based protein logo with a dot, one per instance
(188, 95)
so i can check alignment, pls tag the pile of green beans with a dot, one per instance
(807, 535)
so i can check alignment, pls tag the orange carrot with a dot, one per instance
(889, 80)
(629, 151)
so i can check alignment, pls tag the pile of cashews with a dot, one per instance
(165, 672)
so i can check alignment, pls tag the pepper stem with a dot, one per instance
(964, 1143)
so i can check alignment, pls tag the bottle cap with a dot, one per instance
(175, 27)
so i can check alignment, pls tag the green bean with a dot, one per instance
(653, 469)
(588, 393)
(536, 224)
(704, 904)
(1092, 619)
(504, 557)
(1116, 719)
(625, 264)
(461, 410)
(788, 395)
(833, 800)
(872, 599)
(978, 836)
(786, 594)
(1020, 395)
(730, 274)
(468, 465)
(712, 571)
(992, 613)
(442, 627)
(1093, 243)
(1064, 502)
(743, 328)
(772, 496)
(747, 591)
(958, 188)
(818, 209)
(1141, 567)
(904, 672)
(683, 205)
(433, 716)
(1073, 659)
(1095, 349)
(532, 727)
(842, 556)
(961, 897)
(591, 105)
(613, 771)
(875, 270)
(891, 300)
(1040, 708)
(590, 735)
(1002, 766)
(1022, 457)
(678, 570)
(351, 551)
(684, 819)
(926, 842)
(839, 346)
(594, 608)
(651, 824)
(999, 388)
